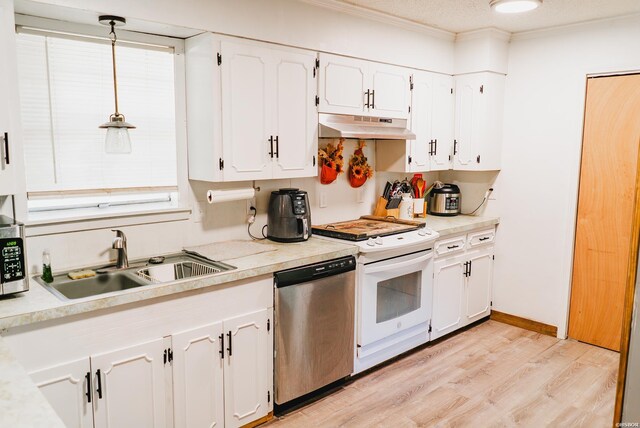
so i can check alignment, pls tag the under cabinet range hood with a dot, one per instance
(363, 127)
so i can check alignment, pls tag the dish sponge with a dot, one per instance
(79, 274)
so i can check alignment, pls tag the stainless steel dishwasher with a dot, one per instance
(314, 327)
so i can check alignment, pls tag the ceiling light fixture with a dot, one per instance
(514, 6)
(117, 140)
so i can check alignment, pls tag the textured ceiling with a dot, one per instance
(465, 15)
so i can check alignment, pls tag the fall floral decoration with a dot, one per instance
(359, 168)
(331, 162)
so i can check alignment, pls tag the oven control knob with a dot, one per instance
(371, 242)
(378, 240)
(422, 232)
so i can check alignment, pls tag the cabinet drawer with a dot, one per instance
(483, 237)
(450, 246)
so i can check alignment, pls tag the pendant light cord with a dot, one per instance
(113, 58)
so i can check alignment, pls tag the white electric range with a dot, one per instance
(394, 282)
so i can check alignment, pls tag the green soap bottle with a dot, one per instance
(47, 275)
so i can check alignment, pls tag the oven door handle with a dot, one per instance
(393, 266)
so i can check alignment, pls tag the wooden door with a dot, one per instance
(342, 86)
(448, 292)
(478, 300)
(246, 111)
(132, 384)
(605, 209)
(421, 121)
(198, 386)
(391, 91)
(67, 388)
(442, 119)
(296, 115)
(248, 367)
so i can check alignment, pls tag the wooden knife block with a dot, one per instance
(381, 211)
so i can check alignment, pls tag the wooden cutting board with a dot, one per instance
(364, 228)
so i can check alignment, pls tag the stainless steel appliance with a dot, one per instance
(314, 327)
(13, 266)
(444, 200)
(289, 216)
(394, 283)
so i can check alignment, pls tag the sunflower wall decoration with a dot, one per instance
(359, 168)
(331, 162)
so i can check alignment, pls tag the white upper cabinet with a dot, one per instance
(343, 85)
(246, 111)
(9, 121)
(390, 90)
(358, 87)
(251, 110)
(478, 129)
(431, 120)
(295, 115)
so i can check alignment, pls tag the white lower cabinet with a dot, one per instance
(67, 386)
(215, 373)
(462, 284)
(198, 386)
(129, 387)
(448, 292)
(247, 368)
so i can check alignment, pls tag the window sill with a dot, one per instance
(65, 221)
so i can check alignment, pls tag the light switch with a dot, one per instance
(323, 199)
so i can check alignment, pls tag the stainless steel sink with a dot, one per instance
(68, 289)
(174, 267)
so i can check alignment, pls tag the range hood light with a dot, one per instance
(514, 6)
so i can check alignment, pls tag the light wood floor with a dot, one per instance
(493, 375)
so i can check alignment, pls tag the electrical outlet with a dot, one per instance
(250, 203)
(360, 195)
(323, 199)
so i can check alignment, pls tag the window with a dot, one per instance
(66, 92)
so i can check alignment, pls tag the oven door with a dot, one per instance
(395, 295)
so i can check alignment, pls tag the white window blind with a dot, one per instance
(66, 92)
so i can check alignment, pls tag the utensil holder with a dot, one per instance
(418, 203)
(381, 211)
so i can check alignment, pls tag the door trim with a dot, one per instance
(628, 304)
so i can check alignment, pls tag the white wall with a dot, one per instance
(283, 21)
(538, 184)
(290, 22)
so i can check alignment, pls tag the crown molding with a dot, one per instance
(383, 18)
(565, 29)
(481, 33)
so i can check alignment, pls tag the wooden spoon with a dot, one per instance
(420, 185)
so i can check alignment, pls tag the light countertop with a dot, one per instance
(22, 404)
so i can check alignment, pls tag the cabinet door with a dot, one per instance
(198, 396)
(8, 101)
(342, 86)
(391, 91)
(448, 293)
(247, 368)
(66, 387)
(246, 111)
(421, 121)
(132, 383)
(469, 112)
(479, 282)
(442, 120)
(295, 115)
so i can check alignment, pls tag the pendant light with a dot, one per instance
(514, 6)
(117, 140)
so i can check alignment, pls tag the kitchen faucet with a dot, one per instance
(120, 244)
